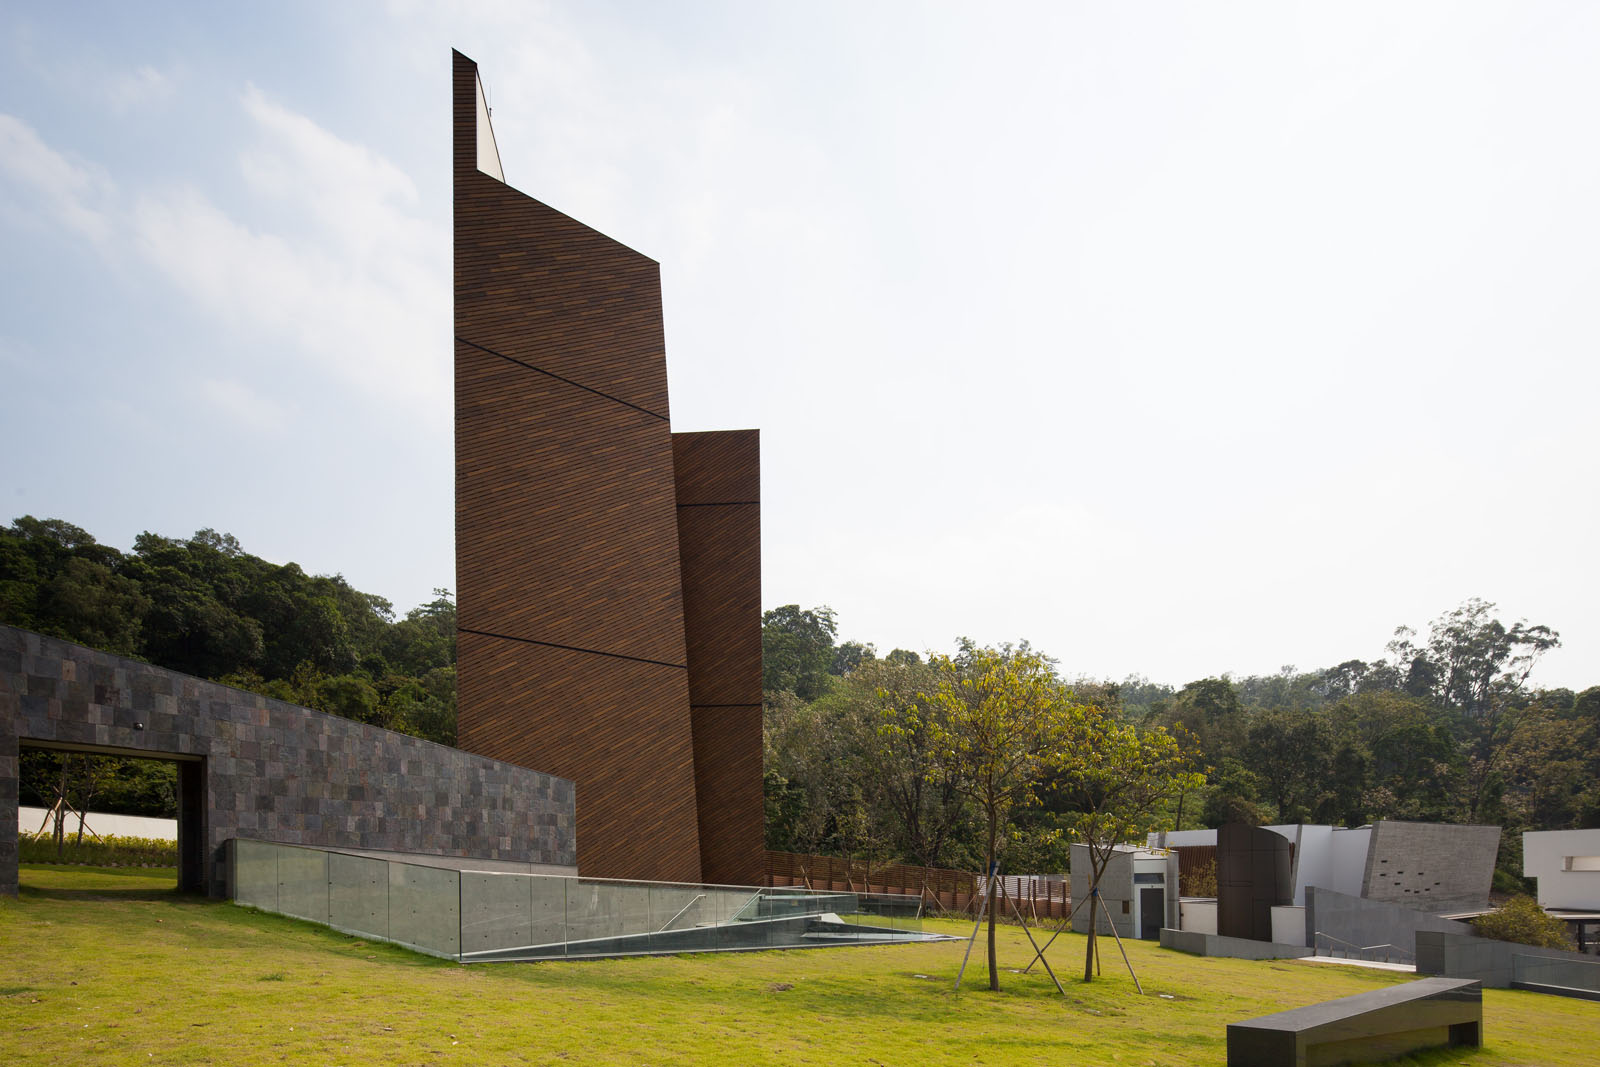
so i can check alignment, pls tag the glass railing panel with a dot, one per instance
(888, 911)
(496, 912)
(255, 874)
(548, 919)
(303, 883)
(1556, 972)
(722, 905)
(680, 920)
(481, 915)
(425, 908)
(358, 894)
(600, 913)
(632, 903)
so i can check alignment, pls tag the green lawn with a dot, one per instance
(110, 966)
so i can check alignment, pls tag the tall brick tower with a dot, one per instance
(608, 571)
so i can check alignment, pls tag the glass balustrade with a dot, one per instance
(482, 916)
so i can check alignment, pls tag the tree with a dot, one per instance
(1288, 751)
(921, 792)
(797, 650)
(1123, 780)
(1476, 667)
(810, 767)
(850, 655)
(1209, 711)
(1232, 797)
(1521, 920)
(1003, 720)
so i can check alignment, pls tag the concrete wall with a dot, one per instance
(30, 819)
(1197, 915)
(268, 770)
(1544, 856)
(1347, 865)
(1173, 919)
(1116, 889)
(1497, 964)
(1238, 948)
(1358, 923)
(1431, 866)
(1289, 925)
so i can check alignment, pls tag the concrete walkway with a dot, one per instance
(1409, 968)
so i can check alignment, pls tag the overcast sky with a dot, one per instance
(1177, 339)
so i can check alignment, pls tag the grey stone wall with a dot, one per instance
(273, 771)
(8, 797)
(1431, 866)
(1353, 921)
(1497, 964)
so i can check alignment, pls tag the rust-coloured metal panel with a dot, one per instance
(608, 571)
(618, 728)
(566, 529)
(719, 538)
(535, 285)
(728, 793)
(571, 650)
(717, 466)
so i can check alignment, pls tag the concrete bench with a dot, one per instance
(1368, 1026)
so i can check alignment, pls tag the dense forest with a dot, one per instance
(1443, 727)
(204, 606)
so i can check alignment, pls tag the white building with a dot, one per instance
(1135, 888)
(1566, 864)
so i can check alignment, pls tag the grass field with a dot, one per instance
(110, 966)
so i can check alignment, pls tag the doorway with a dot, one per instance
(70, 792)
(1152, 906)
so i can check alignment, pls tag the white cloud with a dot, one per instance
(47, 181)
(344, 266)
(140, 89)
(244, 407)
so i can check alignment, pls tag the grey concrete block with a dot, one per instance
(1239, 948)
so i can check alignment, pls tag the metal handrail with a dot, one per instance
(697, 899)
(1361, 948)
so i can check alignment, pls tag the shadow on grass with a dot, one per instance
(108, 883)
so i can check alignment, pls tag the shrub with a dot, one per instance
(1521, 920)
(108, 851)
(1510, 884)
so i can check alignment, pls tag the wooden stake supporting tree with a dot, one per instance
(1002, 721)
(1119, 788)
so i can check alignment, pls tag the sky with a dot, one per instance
(1176, 339)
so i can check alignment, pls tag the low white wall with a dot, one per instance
(1198, 916)
(29, 821)
(1288, 925)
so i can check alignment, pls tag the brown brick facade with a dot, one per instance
(608, 570)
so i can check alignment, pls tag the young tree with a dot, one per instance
(919, 792)
(1122, 780)
(1002, 720)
